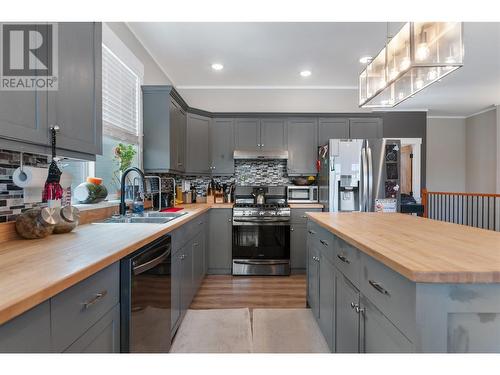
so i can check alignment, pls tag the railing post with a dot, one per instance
(425, 202)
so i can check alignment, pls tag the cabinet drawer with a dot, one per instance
(298, 215)
(195, 226)
(348, 260)
(392, 293)
(321, 239)
(76, 309)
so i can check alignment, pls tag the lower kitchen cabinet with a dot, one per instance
(186, 277)
(102, 337)
(327, 284)
(313, 280)
(298, 239)
(220, 241)
(175, 298)
(28, 333)
(378, 334)
(347, 327)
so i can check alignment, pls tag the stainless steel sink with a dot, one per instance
(148, 217)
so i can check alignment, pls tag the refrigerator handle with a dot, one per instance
(370, 202)
(365, 180)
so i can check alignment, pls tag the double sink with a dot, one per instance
(146, 217)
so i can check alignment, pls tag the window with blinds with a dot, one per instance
(120, 98)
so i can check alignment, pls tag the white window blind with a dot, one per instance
(120, 98)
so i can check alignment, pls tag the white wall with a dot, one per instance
(481, 151)
(153, 74)
(446, 154)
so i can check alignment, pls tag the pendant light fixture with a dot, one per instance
(420, 54)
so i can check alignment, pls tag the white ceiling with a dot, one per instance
(262, 62)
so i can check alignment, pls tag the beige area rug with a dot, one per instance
(214, 331)
(287, 331)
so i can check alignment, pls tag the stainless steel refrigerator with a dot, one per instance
(360, 175)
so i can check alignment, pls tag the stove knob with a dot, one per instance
(262, 213)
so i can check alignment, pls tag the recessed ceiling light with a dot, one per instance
(305, 73)
(365, 59)
(217, 66)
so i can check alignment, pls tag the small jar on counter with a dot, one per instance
(68, 219)
(37, 222)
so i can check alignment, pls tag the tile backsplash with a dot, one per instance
(11, 196)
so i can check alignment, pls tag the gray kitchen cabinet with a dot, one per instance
(378, 334)
(298, 246)
(313, 286)
(332, 128)
(220, 241)
(198, 253)
(222, 146)
(197, 144)
(76, 105)
(164, 128)
(273, 134)
(302, 146)
(187, 287)
(25, 116)
(327, 284)
(348, 318)
(247, 134)
(102, 337)
(175, 308)
(28, 333)
(368, 127)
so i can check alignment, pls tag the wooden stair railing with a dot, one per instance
(474, 209)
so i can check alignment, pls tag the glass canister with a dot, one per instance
(69, 217)
(36, 222)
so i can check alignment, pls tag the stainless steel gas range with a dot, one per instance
(261, 231)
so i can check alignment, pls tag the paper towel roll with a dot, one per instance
(30, 177)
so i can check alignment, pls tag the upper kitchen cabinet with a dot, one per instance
(76, 105)
(222, 146)
(365, 128)
(260, 134)
(247, 134)
(273, 134)
(164, 127)
(26, 116)
(302, 146)
(197, 139)
(332, 128)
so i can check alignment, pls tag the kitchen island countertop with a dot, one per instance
(420, 249)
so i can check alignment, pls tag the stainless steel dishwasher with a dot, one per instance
(145, 298)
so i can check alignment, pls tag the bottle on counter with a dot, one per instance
(138, 204)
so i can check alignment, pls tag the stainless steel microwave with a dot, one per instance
(302, 194)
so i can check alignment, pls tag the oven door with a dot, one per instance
(261, 249)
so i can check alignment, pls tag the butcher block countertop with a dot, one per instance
(32, 271)
(422, 250)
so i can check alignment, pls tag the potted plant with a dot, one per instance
(124, 155)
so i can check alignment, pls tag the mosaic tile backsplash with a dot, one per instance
(11, 196)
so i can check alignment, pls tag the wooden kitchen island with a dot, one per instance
(398, 283)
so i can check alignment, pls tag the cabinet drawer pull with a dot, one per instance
(291, 229)
(94, 300)
(343, 259)
(324, 243)
(378, 287)
(360, 310)
(354, 305)
(195, 244)
(312, 232)
(304, 216)
(316, 259)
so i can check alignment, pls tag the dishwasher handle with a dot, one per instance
(151, 264)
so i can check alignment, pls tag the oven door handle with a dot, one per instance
(262, 263)
(259, 221)
(150, 264)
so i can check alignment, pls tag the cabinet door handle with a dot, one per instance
(378, 287)
(195, 244)
(94, 300)
(312, 232)
(262, 145)
(229, 219)
(354, 305)
(343, 259)
(324, 243)
(360, 310)
(291, 229)
(304, 216)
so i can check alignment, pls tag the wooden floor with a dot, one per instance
(226, 292)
